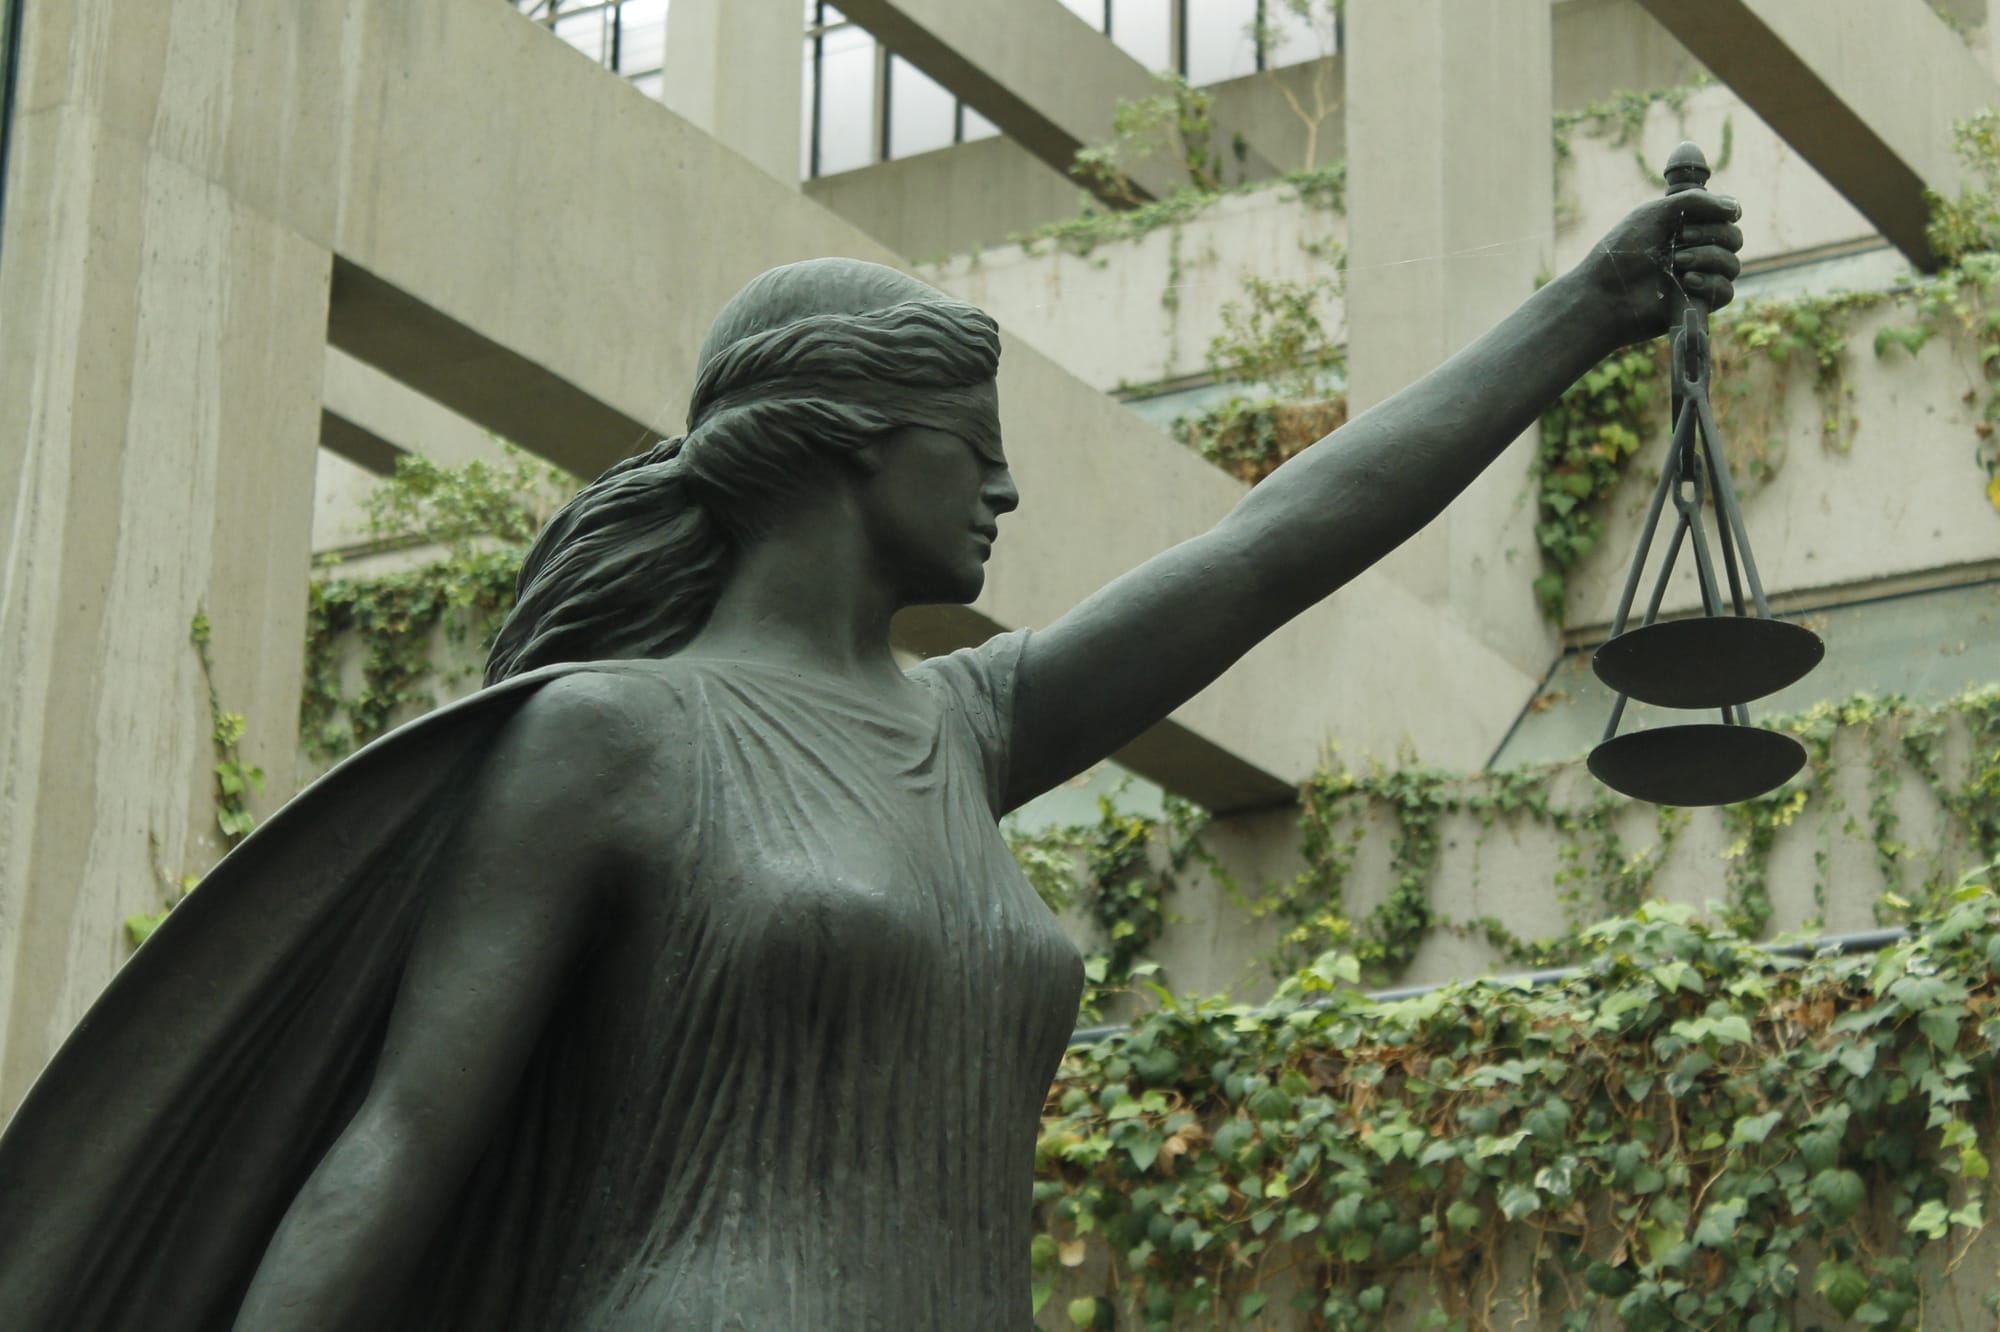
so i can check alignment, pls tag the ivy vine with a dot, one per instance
(1117, 875)
(236, 781)
(1101, 870)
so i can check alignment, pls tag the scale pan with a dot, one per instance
(1703, 764)
(1707, 662)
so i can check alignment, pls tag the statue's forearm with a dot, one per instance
(1350, 499)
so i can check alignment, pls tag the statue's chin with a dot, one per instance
(960, 591)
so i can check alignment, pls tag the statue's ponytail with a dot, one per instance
(629, 568)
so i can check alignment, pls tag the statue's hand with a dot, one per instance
(1683, 243)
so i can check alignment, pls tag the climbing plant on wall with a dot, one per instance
(409, 631)
(1369, 842)
(1692, 1132)
(1275, 342)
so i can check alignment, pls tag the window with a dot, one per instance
(861, 104)
(921, 115)
(1221, 40)
(1292, 40)
(625, 36)
(1144, 30)
(846, 95)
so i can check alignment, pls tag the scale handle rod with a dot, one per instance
(1687, 313)
(1687, 169)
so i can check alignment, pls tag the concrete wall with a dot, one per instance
(1104, 313)
(1905, 498)
(1789, 208)
(953, 199)
(1823, 872)
(1143, 311)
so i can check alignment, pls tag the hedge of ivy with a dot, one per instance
(1693, 1132)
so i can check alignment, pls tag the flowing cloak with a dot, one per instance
(144, 1174)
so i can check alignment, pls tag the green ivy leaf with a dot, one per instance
(1400, 1239)
(1838, 1193)
(140, 926)
(1518, 1200)
(1940, 1026)
(1754, 1129)
(1843, 1284)
(1931, 1220)
(1719, 1221)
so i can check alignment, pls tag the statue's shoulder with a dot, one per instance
(620, 715)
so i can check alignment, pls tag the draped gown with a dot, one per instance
(795, 1084)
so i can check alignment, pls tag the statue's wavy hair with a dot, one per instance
(806, 364)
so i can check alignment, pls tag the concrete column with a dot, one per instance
(1450, 194)
(160, 358)
(733, 68)
(1990, 36)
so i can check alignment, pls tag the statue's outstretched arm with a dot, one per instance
(1138, 649)
(503, 929)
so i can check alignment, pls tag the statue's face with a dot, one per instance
(934, 503)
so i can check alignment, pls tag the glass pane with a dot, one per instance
(589, 32)
(1221, 41)
(1296, 37)
(978, 126)
(846, 100)
(806, 104)
(651, 84)
(642, 40)
(1141, 27)
(920, 111)
(1090, 11)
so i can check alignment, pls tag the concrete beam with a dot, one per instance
(480, 379)
(358, 444)
(1866, 90)
(1036, 70)
(371, 420)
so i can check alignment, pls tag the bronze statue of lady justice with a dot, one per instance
(681, 978)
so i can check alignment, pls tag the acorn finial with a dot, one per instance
(1687, 169)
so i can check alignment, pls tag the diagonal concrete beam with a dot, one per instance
(365, 448)
(486, 382)
(1866, 90)
(372, 421)
(1048, 79)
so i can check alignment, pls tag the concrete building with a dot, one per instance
(252, 250)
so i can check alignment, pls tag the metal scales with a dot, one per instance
(1717, 659)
